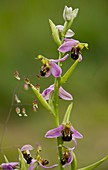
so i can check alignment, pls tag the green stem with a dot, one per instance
(60, 143)
(74, 162)
(59, 140)
(64, 30)
(56, 113)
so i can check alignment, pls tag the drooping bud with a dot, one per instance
(35, 106)
(18, 111)
(16, 75)
(26, 87)
(37, 87)
(27, 81)
(24, 111)
(17, 99)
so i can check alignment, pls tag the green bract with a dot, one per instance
(95, 165)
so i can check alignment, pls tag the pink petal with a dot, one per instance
(67, 39)
(67, 45)
(26, 147)
(80, 57)
(56, 132)
(64, 94)
(61, 59)
(31, 167)
(76, 134)
(8, 166)
(47, 91)
(48, 73)
(55, 69)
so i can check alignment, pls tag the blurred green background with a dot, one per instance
(25, 33)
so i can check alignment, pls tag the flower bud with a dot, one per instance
(67, 13)
(16, 75)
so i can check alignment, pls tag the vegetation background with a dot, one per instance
(25, 33)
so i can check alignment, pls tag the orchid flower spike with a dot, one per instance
(50, 67)
(66, 131)
(8, 166)
(38, 161)
(73, 46)
(62, 93)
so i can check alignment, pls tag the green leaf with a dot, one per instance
(55, 33)
(69, 72)
(74, 162)
(22, 161)
(41, 99)
(93, 166)
(67, 114)
(6, 160)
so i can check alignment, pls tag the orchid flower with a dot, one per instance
(8, 166)
(66, 131)
(73, 46)
(50, 67)
(38, 161)
(62, 93)
(68, 34)
(26, 153)
(67, 157)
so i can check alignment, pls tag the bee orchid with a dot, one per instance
(38, 161)
(50, 67)
(73, 46)
(66, 131)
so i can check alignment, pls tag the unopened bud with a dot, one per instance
(26, 87)
(18, 111)
(17, 99)
(67, 13)
(16, 75)
(24, 112)
(35, 106)
(27, 81)
(37, 87)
